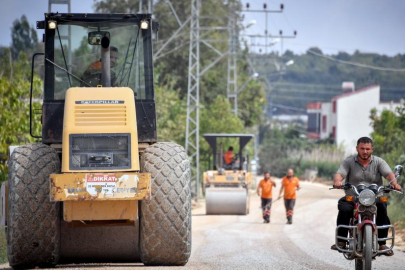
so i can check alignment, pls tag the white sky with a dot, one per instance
(332, 25)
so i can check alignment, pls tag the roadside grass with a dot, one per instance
(3, 246)
(396, 213)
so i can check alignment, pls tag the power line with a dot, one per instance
(288, 107)
(306, 92)
(356, 64)
(289, 97)
(308, 85)
(328, 48)
(288, 22)
(383, 88)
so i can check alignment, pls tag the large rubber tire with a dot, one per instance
(33, 231)
(165, 220)
(367, 247)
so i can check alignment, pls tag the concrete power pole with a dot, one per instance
(232, 86)
(193, 97)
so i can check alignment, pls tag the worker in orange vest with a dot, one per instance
(228, 156)
(92, 75)
(289, 185)
(266, 186)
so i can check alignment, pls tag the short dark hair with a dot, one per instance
(230, 148)
(113, 49)
(266, 172)
(364, 140)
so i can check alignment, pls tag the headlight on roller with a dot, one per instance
(367, 197)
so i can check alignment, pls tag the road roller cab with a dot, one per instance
(97, 186)
(227, 185)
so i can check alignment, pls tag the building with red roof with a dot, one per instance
(346, 117)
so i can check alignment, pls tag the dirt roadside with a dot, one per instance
(399, 236)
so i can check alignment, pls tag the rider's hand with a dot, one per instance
(396, 186)
(337, 184)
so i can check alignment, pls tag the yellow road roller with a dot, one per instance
(97, 186)
(227, 184)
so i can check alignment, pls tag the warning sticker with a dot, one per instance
(101, 183)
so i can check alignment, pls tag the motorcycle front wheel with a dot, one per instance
(365, 262)
(367, 247)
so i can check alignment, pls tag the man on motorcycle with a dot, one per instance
(367, 169)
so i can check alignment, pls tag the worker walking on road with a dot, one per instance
(289, 185)
(264, 190)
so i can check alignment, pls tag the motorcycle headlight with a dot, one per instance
(367, 197)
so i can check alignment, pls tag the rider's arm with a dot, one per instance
(273, 183)
(337, 180)
(393, 181)
(385, 170)
(341, 174)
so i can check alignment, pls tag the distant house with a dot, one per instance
(347, 117)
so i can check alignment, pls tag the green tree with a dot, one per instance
(23, 37)
(251, 102)
(389, 141)
(171, 115)
(217, 117)
(14, 101)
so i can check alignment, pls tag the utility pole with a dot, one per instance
(233, 38)
(232, 88)
(192, 143)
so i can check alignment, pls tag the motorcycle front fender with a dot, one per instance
(361, 225)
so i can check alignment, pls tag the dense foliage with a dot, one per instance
(389, 143)
(15, 76)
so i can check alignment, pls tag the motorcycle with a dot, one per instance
(362, 241)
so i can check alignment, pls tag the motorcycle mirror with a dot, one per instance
(398, 170)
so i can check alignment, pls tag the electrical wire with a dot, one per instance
(305, 85)
(356, 64)
(288, 22)
(287, 107)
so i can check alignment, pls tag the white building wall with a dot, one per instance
(353, 117)
(326, 110)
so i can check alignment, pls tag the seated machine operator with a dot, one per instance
(92, 75)
(229, 158)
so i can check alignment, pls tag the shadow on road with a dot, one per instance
(86, 266)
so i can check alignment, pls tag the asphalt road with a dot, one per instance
(244, 242)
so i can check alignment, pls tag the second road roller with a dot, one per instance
(227, 184)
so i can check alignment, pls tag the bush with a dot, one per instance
(396, 211)
(3, 246)
(325, 169)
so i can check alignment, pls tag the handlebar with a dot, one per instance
(348, 186)
(389, 189)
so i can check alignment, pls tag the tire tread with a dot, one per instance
(166, 219)
(33, 231)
